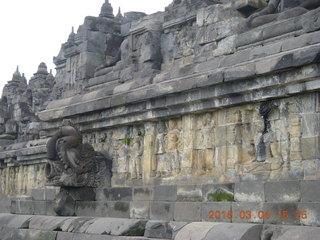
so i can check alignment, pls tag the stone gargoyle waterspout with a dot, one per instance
(72, 163)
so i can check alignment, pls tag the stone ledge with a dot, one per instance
(250, 69)
(247, 90)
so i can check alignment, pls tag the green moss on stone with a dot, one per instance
(221, 196)
(127, 141)
(138, 231)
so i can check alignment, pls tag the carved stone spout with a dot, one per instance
(73, 163)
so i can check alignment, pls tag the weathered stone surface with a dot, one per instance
(175, 227)
(5, 205)
(310, 191)
(283, 191)
(234, 231)
(142, 194)
(308, 213)
(65, 236)
(30, 234)
(110, 209)
(187, 211)
(249, 192)
(195, 231)
(44, 194)
(189, 193)
(280, 213)
(139, 209)
(6, 233)
(23, 207)
(118, 194)
(48, 223)
(244, 212)
(161, 211)
(165, 193)
(158, 229)
(117, 227)
(216, 211)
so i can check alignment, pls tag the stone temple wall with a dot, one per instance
(194, 95)
(227, 145)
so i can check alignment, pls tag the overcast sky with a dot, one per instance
(32, 31)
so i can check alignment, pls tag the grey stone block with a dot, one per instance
(280, 213)
(161, 211)
(283, 191)
(44, 194)
(216, 212)
(212, 79)
(195, 231)
(6, 233)
(235, 232)
(5, 218)
(5, 205)
(139, 209)
(175, 227)
(307, 56)
(82, 194)
(47, 223)
(240, 72)
(117, 227)
(310, 124)
(308, 213)
(19, 221)
(263, 51)
(243, 212)
(65, 236)
(118, 209)
(158, 229)
(31, 234)
(248, 38)
(207, 65)
(39, 207)
(103, 209)
(82, 236)
(187, 211)
(276, 29)
(189, 193)
(236, 58)
(50, 208)
(165, 193)
(249, 192)
(310, 21)
(118, 194)
(309, 148)
(23, 207)
(310, 191)
(300, 233)
(142, 194)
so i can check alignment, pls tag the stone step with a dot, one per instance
(52, 227)
(16, 227)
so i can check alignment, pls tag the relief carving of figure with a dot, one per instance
(269, 13)
(71, 162)
(136, 154)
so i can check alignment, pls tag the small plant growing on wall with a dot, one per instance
(127, 141)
